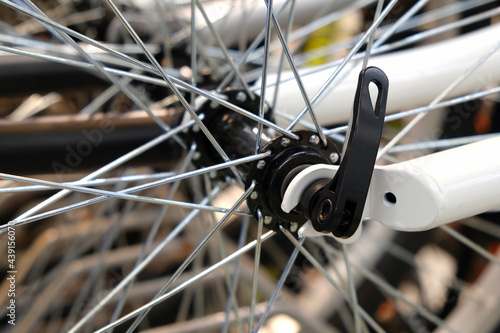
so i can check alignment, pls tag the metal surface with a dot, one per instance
(437, 189)
(418, 70)
(234, 132)
(272, 175)
(422, 193)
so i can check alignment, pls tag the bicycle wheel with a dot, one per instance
(140, 211)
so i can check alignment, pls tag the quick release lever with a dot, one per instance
(337, 205)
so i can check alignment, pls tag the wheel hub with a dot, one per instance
(271, 176)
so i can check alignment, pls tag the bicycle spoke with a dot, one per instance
(410, 259)
(344, 294)
(194, 254)
(127, 279)
(172, 86)
(248, 52)
(148, 79)
(423, 109)
(221, 252)
(468, 242)
(352, 289)
(139, 268)
(235, 275)
(194, 50)
(369, 43)
(185, 284)
(386, 287)
(92, 182)
(98, 270)
(282, 55)
(76, 186)
(111, 78)
(322, 22)
(253, 297)
(279, 285)
(439, 30)
(346, 60)
(104, 194)
(84, 203)
(483, 225)
(262, 101)
(438, 99)
(152, 233)
(224, 49)
(442, 143)
(95, 268)
(24, 218)
(288, 54)
(405, 23)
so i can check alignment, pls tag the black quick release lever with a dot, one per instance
(337, 205)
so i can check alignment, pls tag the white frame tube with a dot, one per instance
(425, 71)
(437, 189)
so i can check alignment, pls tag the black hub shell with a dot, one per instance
(273, 174)
(234, 132)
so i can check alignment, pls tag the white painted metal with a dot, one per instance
(438, 188)
(424, 192)
(236, 19)
(293, 193)
(306, 177)
(416, 77)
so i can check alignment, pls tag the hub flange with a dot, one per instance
(272, 175)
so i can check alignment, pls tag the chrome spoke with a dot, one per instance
(194, 50)
(235, 275)
(182, 85)
(25, 217)
(89, 183)
(62, 29)
(478, 223)
(219, 253)
(369, 43)
(323, 21)
(262, 101)
(103, 194)
(127, 279)
(346, 60)
(393, 292)
(423, 109)
(282, 56)
(28, 218)
(341, 290)
(442, 143)
(253, 297)
(436, 100)
(194, 254)
(97, 65)
(230, 61)
(248, 52)
(186, 284)
(153, 231)
(279, 285)
(438, 30)
(468, 242)
(352, 288)
(80, 186)
(172, 86)
(296, 74)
